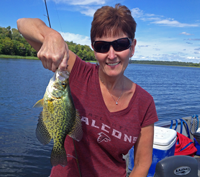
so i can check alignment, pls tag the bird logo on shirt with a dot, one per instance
(103, 137)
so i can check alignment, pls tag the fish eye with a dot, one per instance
(63, 84)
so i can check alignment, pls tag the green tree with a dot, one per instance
(1, 46)
(16, 35)
(7, 46)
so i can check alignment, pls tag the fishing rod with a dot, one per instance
(47, 13)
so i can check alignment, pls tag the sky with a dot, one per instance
(167, 30)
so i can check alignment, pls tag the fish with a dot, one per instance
(58, 118)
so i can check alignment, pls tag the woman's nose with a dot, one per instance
(111, 53)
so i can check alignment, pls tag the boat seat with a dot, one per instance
(177, 166)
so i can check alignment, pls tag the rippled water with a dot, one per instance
(176, 91)
(22, 83)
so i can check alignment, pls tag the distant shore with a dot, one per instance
(166, 63)
(169, 63)
(19, 57)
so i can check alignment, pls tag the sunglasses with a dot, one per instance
(118, 45)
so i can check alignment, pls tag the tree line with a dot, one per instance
(13, 43)
(171, 63)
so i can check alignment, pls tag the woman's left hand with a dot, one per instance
(143, 152)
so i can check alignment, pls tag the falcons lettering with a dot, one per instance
(107, 129)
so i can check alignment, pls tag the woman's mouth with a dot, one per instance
(113, 64)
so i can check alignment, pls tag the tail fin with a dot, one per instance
(58, 157)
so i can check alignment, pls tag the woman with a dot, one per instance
(116, 113)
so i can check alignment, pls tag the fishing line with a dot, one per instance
(58, 18)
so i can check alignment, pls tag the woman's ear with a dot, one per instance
(133, 47)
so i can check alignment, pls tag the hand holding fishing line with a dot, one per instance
(54, 52)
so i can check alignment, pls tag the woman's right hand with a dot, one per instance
(51, 47)
(54, 52)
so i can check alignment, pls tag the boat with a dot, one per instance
(164, 162)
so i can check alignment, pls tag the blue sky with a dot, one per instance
(166, 29)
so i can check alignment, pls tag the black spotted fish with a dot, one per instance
(58, 118)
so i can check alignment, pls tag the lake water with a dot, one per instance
(176, 91)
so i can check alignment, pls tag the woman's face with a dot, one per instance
(113, 63)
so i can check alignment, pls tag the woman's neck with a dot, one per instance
(115, 85)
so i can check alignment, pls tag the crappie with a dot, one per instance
(58, 117)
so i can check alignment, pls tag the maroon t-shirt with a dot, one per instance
(106, 135)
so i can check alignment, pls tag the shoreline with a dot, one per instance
(18, 57)
(166, 63)
(25, 57)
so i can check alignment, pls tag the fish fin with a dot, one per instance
(77, 132)
(42, 133)
(39, 103)
(58, 157)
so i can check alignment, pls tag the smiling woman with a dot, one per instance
(116, 113)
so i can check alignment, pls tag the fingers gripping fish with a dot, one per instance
(58, 118)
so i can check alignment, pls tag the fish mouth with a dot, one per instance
(113, 64)
(61, 75)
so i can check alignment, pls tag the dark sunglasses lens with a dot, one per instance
(121, 44)
(118, 45)
(101, 46)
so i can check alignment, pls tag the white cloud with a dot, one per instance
(160, 20)
(88, 11)
(76, 38)
(174, 23)
(194, 39)
(194, 58)
(150, 15)
(184, 33)
(80, 2)
(86, 2)
(136, 13)
(143, 45)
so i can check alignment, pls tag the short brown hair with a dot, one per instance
(111, 21)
